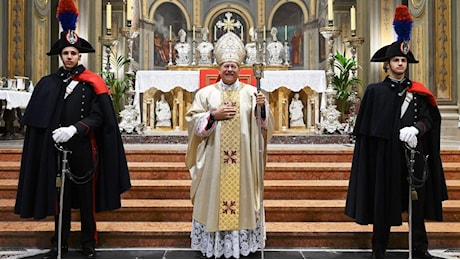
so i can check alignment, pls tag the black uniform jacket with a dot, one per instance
(96, 147)
(378, 186)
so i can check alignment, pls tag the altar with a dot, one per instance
(14, 101)
(178, 88)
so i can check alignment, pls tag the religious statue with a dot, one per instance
(296, 111)
(205, 48)
(251, 51)
(163, 112)
(183, 49)
(274, 49)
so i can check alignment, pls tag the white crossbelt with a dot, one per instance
(405, 104)
(70, 87)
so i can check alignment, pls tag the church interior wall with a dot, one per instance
(372, 24)
(3, 40)
(456, 53)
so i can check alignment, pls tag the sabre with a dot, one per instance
(410, 160)
(60, 181)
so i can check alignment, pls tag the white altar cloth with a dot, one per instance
(294, 80)
(15, 98)
(166, 80)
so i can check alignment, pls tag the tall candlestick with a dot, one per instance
(265, 37)
(170, 32)
(285, 32)
(194, 32)
(330, 10)
(108, 20)
(353, 18)
(215, 33)
(129, 10)
(242, 33)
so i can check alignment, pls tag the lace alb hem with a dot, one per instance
(226, 243)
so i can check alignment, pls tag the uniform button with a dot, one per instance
(82, 109)
(83, 96)
(415, 110)
(83, 102)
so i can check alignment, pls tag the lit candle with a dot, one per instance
(170, 32)
(215, 33)
(129, 10)
(108, 20)
(330, 10)
(285, 32)
(242, 32)
(194, 32)
(264, 34)
(353, 18)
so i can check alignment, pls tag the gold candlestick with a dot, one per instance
(109, 41)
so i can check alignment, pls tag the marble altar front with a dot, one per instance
(179, 86)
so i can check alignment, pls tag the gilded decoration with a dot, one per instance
(16, 48)
(442, 52)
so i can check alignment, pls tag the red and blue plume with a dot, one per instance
(67, 14)
(402, 23)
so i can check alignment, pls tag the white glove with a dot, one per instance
(412, 142)
(63, 134)
(409, 135)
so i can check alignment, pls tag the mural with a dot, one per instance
(168, 20)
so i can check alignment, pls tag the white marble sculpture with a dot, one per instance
(205, 48)
(183, 49)
(251, 51)
(296, 111)
(275, 49)
(163, 112)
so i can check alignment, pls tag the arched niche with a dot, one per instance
(168, 18)
(289, 18)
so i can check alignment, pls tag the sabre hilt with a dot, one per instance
(62, 162)
(411, 177)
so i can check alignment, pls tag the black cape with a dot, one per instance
(378, 186)
(36, 193)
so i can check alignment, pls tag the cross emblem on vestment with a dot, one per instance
(229, 207)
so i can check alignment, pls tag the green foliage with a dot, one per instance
(343, 81)
(117, 85)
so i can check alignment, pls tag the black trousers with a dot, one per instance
(381, 231)
(81, 196)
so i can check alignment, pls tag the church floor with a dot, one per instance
(183, 253)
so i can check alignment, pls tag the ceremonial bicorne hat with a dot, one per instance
(402, 24)
(67, 14)
(229, 48)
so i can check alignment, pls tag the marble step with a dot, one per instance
(313, 210)
(36, 234)
(278, 153)
(274, 189)
(177, 170)
(274, 171)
